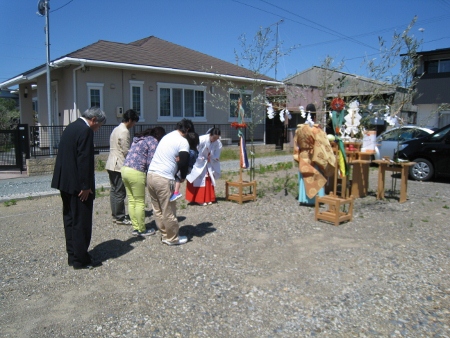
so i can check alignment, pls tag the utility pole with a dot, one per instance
(276, 46)
(43, 9)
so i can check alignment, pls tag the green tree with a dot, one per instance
(9, 114)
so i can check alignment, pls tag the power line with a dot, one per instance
(57, 9)
(304, 24)
(341, 36)
(446, 4)
(323, 28)
(361, 57)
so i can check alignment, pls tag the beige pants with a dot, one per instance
(160, 190)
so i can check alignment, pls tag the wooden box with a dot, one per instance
(241, 195)
(337, 209)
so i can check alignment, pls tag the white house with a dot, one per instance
(162, 81)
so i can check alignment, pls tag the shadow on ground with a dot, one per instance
(113, 248)
(198, 230)
(189, 231)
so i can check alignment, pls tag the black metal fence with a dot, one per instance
(14, 147)
(7, 148)
(44, 140)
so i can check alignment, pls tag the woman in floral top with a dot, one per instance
(134, 175)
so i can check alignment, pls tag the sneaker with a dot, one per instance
(147, 232)
(135, 232)
(209, 203)
(124, 221)
(181, 240)
(175, 196)
(204, 204)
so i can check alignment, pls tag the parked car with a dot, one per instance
(431, 154)
(388, 142)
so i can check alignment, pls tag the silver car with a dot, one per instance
(388, 142)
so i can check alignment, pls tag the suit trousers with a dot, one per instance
(117, 195)
(77, 217)
(161, 189)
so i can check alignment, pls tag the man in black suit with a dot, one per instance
(74, 177)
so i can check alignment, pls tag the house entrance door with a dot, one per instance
(275, 132)
(56, 114)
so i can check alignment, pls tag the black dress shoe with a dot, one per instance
(89, 266)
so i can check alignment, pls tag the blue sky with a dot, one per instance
(345, 30)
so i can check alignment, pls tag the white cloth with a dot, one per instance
(163, 162)
(198, 173)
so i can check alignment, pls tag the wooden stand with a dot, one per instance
(334, 213)
(240, 196)
(402, 168)
(357, 182)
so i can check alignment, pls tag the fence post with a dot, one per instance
(22, 145)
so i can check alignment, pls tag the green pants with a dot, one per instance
(134, 181)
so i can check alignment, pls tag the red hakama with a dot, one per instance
(200, 195)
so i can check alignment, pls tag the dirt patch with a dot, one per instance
(264, 268)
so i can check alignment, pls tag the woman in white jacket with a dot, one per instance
(202, 179)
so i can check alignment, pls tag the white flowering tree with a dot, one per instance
(259, 55)
(389, 92)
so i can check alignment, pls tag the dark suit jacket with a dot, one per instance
(74, 166)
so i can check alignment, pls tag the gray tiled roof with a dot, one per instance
(152, 51)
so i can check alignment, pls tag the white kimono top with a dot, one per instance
(201, 166)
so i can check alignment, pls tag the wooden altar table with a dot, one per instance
(398, 167)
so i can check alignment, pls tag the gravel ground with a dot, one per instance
(261, 269)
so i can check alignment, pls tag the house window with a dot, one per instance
(431, 67)
(179, 101)
(164, 102)
(444, 66)
(409, 117)
(437, 66)
(246, 97)
(35, 105)
(95, 95)
(137, 97)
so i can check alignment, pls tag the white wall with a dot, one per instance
(427, 116)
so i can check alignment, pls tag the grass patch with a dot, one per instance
(100, 192)
(229, 154)
(288, 183)
(9, 203)
(277, 167)
(232, 153)
(100, 165)
(274, 153)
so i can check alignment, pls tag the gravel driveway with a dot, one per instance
(261, 269)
